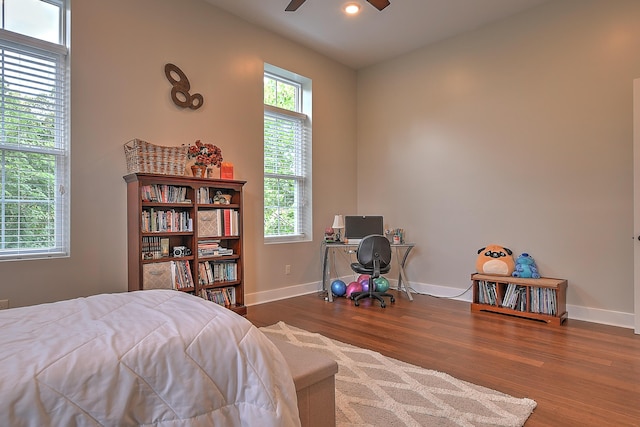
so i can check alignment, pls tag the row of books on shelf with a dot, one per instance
(154, 220)
(223, 296)
(212, 248)
(542, 300)
(181, 275)
(515, 297)
(164, 193)
(487, 293)
(211, 272)
(154, 247)
(219, 222)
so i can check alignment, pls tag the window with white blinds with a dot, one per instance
(287, 155)
(34, 149)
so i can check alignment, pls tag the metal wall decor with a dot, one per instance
(181, 86)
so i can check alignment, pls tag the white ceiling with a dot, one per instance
(372, 36)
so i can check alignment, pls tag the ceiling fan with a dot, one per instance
(378, 4)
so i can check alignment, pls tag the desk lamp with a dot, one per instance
(338, 224)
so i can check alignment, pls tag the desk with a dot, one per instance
(400, 250)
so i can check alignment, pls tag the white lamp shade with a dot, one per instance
(338, 222)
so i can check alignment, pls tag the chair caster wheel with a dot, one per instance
(356, 303)
(383, 305)
(392, 299)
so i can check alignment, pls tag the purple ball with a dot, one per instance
(363, 277)
(365, 285)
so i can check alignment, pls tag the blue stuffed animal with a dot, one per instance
(526, 267)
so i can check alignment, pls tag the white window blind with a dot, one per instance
(33, 148)
(285, 172)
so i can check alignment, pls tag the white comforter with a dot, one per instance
(156, 357)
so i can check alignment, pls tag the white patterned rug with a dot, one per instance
(375, 390)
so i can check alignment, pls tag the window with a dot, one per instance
(34, 146)
(287, 156)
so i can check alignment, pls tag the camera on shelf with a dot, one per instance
(181, 251)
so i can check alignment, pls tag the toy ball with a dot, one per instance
(363, 277)
(381, 283)
(365, 285)
(338, 287)
(353, 287)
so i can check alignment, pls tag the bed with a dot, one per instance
(154, 357)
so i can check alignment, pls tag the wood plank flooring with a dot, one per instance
(580, 374)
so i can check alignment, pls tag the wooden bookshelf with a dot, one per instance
(541, 299)
(203, 216)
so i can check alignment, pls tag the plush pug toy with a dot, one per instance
(496, 260)
(526, 267)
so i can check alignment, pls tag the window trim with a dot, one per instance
(304, 104)
(61, 148)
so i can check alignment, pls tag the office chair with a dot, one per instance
(374, 259)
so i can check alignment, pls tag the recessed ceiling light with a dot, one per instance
(352, 8)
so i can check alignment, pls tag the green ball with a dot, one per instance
(382, 284)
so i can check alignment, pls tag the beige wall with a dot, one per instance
(519, 133)
(119, 91)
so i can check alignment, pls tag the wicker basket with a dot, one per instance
(144, 157)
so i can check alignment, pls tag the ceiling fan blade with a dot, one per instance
(294, 5)
(379, 4)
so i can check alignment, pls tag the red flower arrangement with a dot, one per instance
(205, 154)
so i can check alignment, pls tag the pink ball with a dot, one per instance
(353, 287)
(363, 277)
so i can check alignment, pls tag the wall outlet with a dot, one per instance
(287, 269)
(4, 303)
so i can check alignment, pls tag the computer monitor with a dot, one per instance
(358, 226)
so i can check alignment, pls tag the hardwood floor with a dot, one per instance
(580, 374)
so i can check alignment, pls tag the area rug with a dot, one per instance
(375, 390)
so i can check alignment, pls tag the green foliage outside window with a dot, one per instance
(280, 94)
(280, 213)
(28, 178)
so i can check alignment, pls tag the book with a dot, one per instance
(203, 195)
(209, 272)
(164, 247)
(234, 223)
(208, 248)
(227, 222)
(231, 295)
(181, 274)
(202, 274)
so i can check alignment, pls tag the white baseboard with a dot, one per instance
(443, 291)
(597, 315)
(281, 293)
(588, 314)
